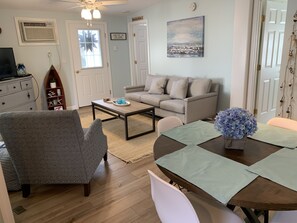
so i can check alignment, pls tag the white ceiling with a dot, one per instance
(59, 5)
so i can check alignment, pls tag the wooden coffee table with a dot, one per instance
(123, 112)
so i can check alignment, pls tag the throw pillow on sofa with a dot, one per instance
(149, 79)
(179, 89)
(157, 85)
(199, 86)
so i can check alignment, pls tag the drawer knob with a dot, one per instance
(26, 84)
(0, 90)
(14, 87)
(3, 103)
(28, 95)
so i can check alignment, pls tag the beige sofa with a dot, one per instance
(188, 98)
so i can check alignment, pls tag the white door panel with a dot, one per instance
(140, 53)
(272, 46)
(89, 52)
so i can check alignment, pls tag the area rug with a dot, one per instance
(130, 151)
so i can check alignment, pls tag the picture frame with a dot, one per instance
(118, 36)
(185, 37)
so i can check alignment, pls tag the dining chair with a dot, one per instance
(284, 217)
(167, 123)
(173, 206)
(283, 123)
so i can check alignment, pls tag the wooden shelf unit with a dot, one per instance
(55, 96)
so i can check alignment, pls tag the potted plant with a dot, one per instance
(235, 124)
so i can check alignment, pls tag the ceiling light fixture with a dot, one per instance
(89, 14)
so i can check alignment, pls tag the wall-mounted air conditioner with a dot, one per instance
(36, 31)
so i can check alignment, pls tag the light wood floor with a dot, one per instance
(120, 192)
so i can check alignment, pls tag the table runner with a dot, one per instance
(280, 167)
(275, 136)
(194, 133)
(220, 177)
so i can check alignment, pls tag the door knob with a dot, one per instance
(77, 72)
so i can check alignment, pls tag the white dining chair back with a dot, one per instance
(167, 123)
(283, 123)
(284, 217)
(173, 206)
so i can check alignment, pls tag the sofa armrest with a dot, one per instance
(94, 146)
(129, 89)
(200, 107)
(195, 98)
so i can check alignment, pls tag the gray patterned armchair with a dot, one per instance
(51, 147)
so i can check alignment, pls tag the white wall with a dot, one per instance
(217, 62)
(36, 58)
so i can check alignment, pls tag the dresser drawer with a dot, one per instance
(15, 100)
(14, 87)
(3, 89)
(26, 84)
(27, 107)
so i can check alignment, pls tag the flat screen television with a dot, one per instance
(7, 64)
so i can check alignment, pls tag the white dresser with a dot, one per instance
(17, 95)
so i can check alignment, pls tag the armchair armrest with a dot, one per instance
(200, 107)
(129, 89)
(94, 146)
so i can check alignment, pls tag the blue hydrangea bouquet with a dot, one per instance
(235, 123)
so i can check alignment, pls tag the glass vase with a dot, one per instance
(230, 143)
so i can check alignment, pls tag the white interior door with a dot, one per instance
(140, 59)
(272, 46)
(89, 52)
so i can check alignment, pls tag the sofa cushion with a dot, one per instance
(199, 86)
(170, 81)
(148, 80)
(174, 105)
(157, 85)
(179, 89)
(135, 96)
(154, 99)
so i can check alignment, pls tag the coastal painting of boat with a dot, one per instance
(185, 37)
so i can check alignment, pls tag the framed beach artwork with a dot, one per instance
(185, 37)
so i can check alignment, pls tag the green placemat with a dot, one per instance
(220, 177)
(280, 167)
(194, 133)
(275, 136)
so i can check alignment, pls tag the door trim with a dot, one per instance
(72, 70)
(131, 48)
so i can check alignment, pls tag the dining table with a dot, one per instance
(261, 194)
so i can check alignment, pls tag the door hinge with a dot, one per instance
(109, 92)
(134, 34)
(258, 67)
(107, 64)
(255, 111)
(263, 17)
(105, 35)
(135, 61)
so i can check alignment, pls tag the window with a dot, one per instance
(90, 48)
